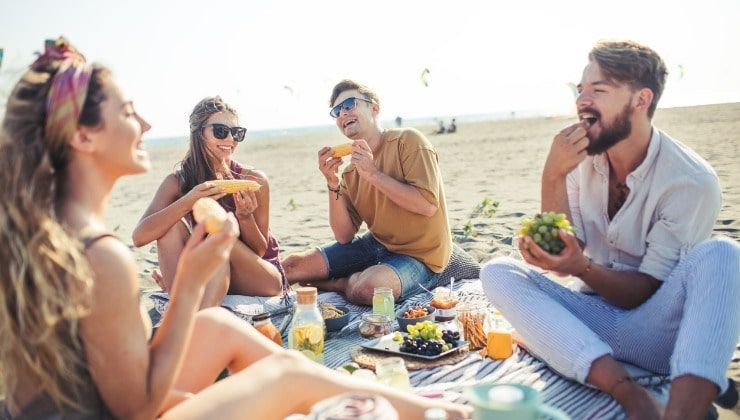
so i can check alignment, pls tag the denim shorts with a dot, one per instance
(365, 251)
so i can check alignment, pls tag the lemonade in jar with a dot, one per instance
(307, 329)
(383, 302)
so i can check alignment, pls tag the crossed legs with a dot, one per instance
(309, 268)
(246, 273)
(582, 336)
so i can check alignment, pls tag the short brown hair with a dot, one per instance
(348, 84)
(633, 63)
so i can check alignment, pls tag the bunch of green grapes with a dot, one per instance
(543, 229)
(426, 330)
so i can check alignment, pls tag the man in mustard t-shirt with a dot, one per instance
(392, 184)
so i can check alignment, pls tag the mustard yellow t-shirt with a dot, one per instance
(406, 156)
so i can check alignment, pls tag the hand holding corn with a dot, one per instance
(246, 203)
(206, 189)
(203, 255)
(230, 186)
(210, 213)
(329, 166)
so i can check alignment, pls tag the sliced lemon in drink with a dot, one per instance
(314, 334)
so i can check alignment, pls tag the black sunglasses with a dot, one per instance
(221, 131)
(347, 104)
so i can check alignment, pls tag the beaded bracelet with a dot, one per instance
(337, 191)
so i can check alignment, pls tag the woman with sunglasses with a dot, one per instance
(75, 344)
(254, 267)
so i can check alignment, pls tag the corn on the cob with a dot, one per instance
(342, 150)
(230, 186)
(208, 211)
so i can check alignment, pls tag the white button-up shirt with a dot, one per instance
(673, 203)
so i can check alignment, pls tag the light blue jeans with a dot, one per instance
(689, 326)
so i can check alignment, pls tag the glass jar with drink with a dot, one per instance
(307, 329)
(383, 302)
(392, 371)
(263, 324)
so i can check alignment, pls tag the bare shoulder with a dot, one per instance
(171, 184)
(167, 193)
(257, 175)
(113, 266)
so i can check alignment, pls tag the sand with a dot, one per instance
(484, 162)
(497, 160)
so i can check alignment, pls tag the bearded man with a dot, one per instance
(654, 291)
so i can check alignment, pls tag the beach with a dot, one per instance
(482, 164)
(491, 173)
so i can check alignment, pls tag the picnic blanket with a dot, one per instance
(449, 381)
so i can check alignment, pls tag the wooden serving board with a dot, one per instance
(368, 358)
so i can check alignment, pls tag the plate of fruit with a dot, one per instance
(425, 340)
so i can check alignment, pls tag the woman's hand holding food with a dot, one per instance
(206, 189)
(202, 256)
(246, 203)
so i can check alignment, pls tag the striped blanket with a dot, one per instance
(579, 401)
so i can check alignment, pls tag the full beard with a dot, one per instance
(619, 130)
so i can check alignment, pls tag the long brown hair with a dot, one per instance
(45, 279)
(196, 167)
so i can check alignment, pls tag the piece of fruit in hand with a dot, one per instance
(543, 229)
(208, 211)
(342, 150)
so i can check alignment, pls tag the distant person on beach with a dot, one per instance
(75, 344)
(441, 128)
(393, 185)
(452, 127)
(399, 121)
(654, 291)
(254, 267)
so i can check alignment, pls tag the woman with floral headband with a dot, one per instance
(75, 344)
(254, 267)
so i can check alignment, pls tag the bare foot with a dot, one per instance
(637, 402)
(157, 277)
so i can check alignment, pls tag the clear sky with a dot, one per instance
(483, 56)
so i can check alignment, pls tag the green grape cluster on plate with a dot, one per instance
(427, 338)
(543, 229)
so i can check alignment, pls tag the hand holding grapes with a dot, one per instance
(547, 241)
(570, 260)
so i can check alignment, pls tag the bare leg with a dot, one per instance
(690, 397)
(260, 392)
(360, 286)
(216, 288)
(169, 248)
(608, 375)
(338, 285)
(239, 346)
(307, 266)
(251, 275)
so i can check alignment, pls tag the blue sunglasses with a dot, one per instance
(347, 104)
